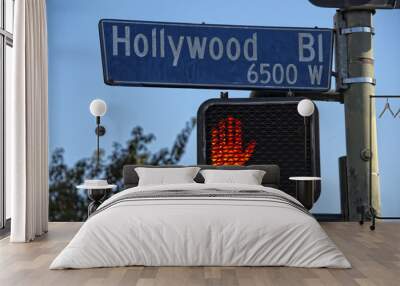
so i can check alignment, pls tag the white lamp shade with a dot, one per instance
(98, 107)
(305, 107)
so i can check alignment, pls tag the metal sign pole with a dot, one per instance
(356, 78)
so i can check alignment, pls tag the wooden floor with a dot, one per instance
(375, 257)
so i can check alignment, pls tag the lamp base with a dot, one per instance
(100, 130)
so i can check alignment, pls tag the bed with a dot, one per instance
(199, 224)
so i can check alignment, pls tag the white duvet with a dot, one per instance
(199, 231)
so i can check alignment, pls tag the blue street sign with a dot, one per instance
(137, 53)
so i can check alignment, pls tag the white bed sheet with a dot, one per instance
(202, 232)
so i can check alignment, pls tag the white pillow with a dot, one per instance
(165, 176)
(248, 177)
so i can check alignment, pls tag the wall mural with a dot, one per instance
(67, 204)
(75, 78)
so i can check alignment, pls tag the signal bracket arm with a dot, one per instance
(360, 79)
(351, 30)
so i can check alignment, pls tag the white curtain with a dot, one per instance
(26, 123)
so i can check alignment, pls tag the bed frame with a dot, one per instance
(270, 179)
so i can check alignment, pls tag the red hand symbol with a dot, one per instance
(227, 145)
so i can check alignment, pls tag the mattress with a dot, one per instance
(201, 225)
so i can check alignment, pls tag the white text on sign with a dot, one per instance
(159, 44)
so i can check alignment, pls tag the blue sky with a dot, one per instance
(75, 78)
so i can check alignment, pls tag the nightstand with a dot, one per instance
(305, 189)
(97, 193)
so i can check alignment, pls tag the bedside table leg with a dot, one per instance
(96, 196)
(92, 207)
(305, 193)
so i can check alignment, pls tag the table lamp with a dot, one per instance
(305, 108)
(98, 108)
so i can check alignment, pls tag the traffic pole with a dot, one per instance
(356, 80)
